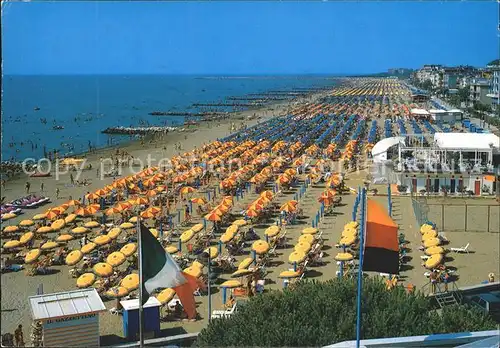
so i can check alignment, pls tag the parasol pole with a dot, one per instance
(209, 291)
(141, 309)
(362, 225)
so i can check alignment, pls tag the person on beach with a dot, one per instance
(3, 184)
(57, 192)
(41, 187)
(19, 336)
(71, 178)
(27, 186)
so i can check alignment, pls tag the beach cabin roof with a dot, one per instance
(455, 111)
(470, 141)
(436, 111)
(65, 304)
(420, 112)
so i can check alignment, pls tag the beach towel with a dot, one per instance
(159, 270)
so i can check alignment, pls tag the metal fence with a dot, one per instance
(453, 216)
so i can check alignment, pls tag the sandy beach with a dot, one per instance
(15, 308)
(16, 287)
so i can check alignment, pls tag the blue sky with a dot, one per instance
(244, 38)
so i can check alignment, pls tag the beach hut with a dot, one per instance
(131, 317)
(68, 318)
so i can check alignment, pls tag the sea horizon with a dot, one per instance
(84, 105)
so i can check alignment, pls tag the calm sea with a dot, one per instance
(85, 105)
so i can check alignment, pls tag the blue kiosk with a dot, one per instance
(151, 310)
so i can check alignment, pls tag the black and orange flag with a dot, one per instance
(381, 248)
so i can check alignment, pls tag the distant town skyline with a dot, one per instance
(244, 38)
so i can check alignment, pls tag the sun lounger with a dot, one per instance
(223, 313)
(464, 249)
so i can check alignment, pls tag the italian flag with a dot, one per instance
(159, 270)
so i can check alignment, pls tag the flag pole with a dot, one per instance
(362, 225)
(141, 309)
(208, 288)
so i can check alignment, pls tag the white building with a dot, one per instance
(495, 88)
(460, 161)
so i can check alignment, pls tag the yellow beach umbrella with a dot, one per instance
(25, 238)
(197, 264)
(241, 273)
(231, 284)
(353, 224)
(297, 256)
(289, 274)
(260, 247)
(434, 250)
(92, 224)
(433, 261)
(344, 257)
(272, 231)
(103, 239)
(26, 223)
(117, 292)
(186, 236)
(11, 229)
(103, 269)
(129, 249)
(154, 232)
(425, 228)
(12, 244)
(131, 282)
(245, 263)
(348, 240)
(133, 219)
(212, 251)
(429, 234)
(88, 248)
(39, 217)
(166, 295)
(226, 237)
(171, 249)
(114, 232)
(309, 230)
(58, 224)
(116, 258)
(232, 229)
(32, 255)
(303, 246)
(193, 271)
(85, 280)
(8, 216)
(431, 242)
(307, 238)
(127, 225)
(80, 230)
(49, 245)
(64, 238)
(141, 201)
(197, 228)
(240, 222)
(74, 257)
(44, 229)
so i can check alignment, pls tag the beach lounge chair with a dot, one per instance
(464, 249)
(317, 259)
(223, 313)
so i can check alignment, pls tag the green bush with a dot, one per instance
(318, 314)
